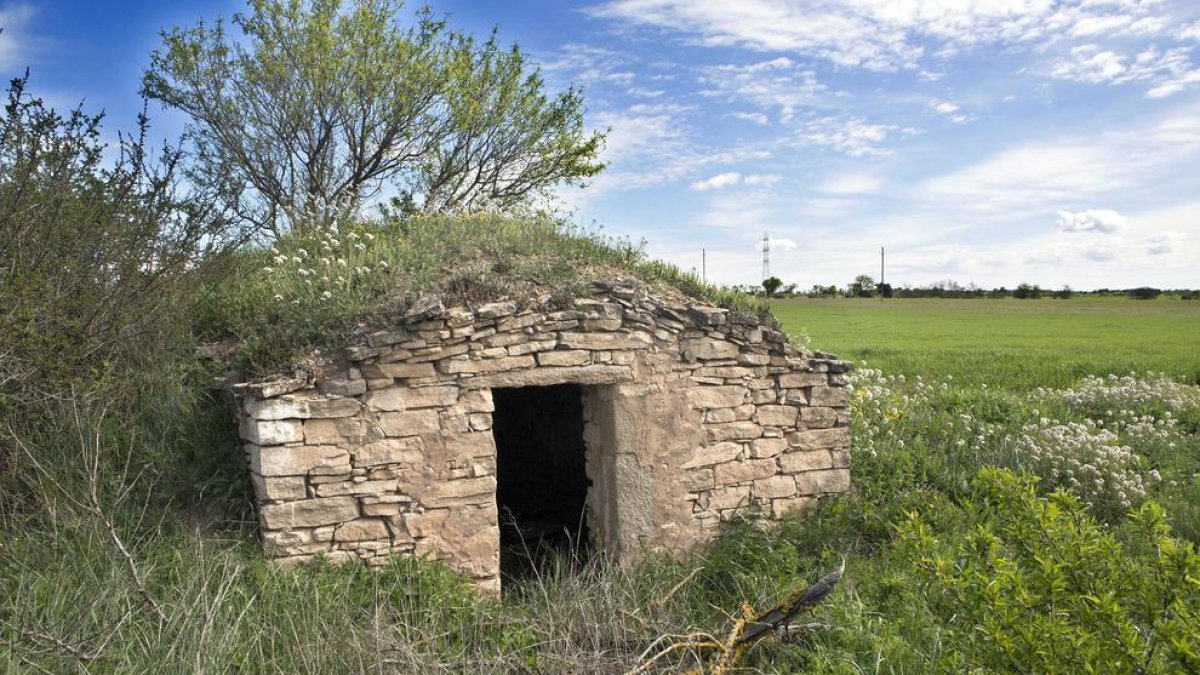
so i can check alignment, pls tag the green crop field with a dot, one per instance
(1009, 343)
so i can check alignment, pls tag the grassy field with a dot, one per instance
(1008, 343)
(1020, 503)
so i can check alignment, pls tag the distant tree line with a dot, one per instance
(864, 286)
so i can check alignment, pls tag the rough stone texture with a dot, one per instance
(691, 414)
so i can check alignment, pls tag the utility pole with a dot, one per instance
(766, 273)
(881, 282)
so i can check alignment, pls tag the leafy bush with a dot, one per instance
(1037, 585)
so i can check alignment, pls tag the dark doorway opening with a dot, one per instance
(541, 478)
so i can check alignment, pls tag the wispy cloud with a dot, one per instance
(731, 178)
(883, 36)
(1091, 220)
(778, 85)
(15, 41)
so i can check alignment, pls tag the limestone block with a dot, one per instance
(802, 380)
(698, 479)
(480, 421)
(817, 482)
(708, 349)
(518, 322)
(342, 386)
(532, 347)
(460, 492)
(754, 359)
(421, 525)
(841, 459)
(438, 353)
(714, 453)
(789, 505)
(720, 416)
(334, 431)
(796, 397)
(764, 396)
(565, 357)
(289, 408)
(475, 401)
(399, 370)
(489, 365)
(505, 340)
(408, 423)
(805, 460)
(276, 488)
(297, 460)
(538, 377)
(730, 473)
(367, 487)
(271, 432)
(409, 450)
(829, 396)
(818, 418)
(726, 396)
(362, 529)
(600, 324)
(726, 372)
(767, 447)
(601, 341)
(399, 399)
(740, 431)
(723, 498)
(496, 310)
(291, 542)
(744, 413)
(774, 487)
(309, 513)
(820, 438)
(777, 415)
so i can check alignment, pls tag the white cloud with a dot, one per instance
(756, 117)
(717, 182)
(776, 84)
(944, 107)
(853, 136)
(731, 178)
(883, 36)
(851, 184)
(1189, 32)
(1168, 71)
(779, 244)
(1096, 254)
(14, 41)
(1036, 178)
(762, 179)
(1105, 221)
(1162, 243)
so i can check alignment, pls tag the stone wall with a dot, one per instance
(691, 413)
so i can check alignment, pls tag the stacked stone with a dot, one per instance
(389, 449)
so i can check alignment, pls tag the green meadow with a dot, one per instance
(1010, 343)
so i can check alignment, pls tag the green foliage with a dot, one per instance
(95, 253)
(313, 103)
(863, 286)
(1037, 585)
(279, 303)
(771, 285)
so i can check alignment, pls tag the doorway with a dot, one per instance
(541, 478)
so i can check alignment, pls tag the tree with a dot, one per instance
(1028, 291)
(315, 105)
(862, 287)
(771, 284)
(1144, 293)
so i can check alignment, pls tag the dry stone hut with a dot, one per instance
(631, 420)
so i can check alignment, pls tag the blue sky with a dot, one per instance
(985, 141)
